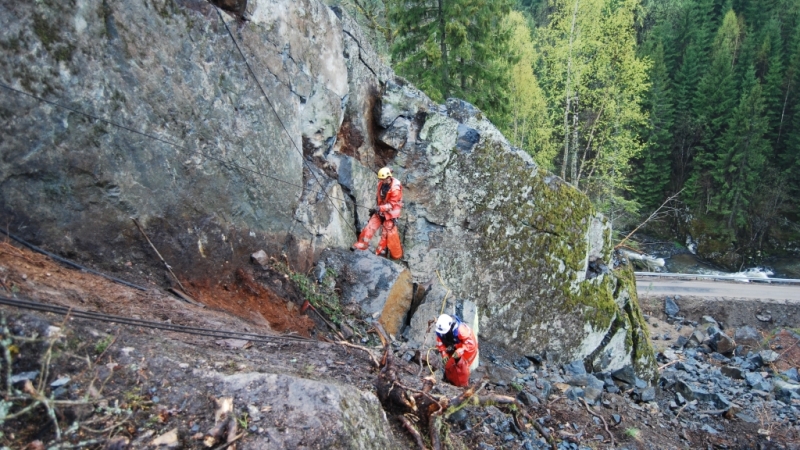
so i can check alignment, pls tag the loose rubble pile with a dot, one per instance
(713, 373)
(712, 381)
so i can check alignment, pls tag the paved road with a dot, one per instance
(728, 289)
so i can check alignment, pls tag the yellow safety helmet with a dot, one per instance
(384, 173)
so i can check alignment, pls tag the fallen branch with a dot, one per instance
(186, 298)
(358, 347)
(545, 434)
(308, 304)
(574, 438)
(233, 428)
(681, 410)
(660, 368)
(109, 428)
(230, 442)
(81, 444)
(461, 401)
(434, 429)
(222, 415)
(652, 216)
(159, 254)
(605, 424)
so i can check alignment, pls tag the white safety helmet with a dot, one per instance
(444, 323)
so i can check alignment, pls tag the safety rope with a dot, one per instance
(69, 263)
(95, 316)
(444, 300)
(278, 117)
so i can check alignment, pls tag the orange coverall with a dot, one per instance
(389, 198)
(456, 370)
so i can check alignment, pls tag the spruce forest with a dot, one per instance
(690, 104)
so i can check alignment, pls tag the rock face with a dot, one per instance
(230, 172)
(308, 410)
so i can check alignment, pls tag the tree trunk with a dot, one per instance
(565, 159)
(443, 46)
(573, 169)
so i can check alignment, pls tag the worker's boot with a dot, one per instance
(366, 234)
(360, 245)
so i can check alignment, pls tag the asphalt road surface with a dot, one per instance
(729, 289)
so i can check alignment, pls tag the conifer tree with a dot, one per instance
(653, 171)
(739, 171)
(770, 69)
(789, 156)
(714, 103)
(454, 48)
(687, 55)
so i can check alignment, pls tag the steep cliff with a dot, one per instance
(219, 153)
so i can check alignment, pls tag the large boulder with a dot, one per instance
(512, 239)
(302, 413)
(214, 170)
(381, 288)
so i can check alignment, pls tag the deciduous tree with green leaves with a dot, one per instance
(594, 79)
(529, 124)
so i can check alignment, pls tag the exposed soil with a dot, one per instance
(134, 384)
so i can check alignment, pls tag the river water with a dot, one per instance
(689, 263)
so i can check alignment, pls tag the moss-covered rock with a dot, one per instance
(516, 241)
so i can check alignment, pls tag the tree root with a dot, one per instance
(411, 429)
(420, 407)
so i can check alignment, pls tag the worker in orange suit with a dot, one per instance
(390, 201)
(458, 346)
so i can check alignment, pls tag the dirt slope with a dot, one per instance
(132, 385)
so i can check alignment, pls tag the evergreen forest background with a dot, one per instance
(690, 104)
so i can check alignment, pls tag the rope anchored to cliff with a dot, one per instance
(272, 107)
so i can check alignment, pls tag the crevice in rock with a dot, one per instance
(419, 292)
(350, 139)
(235, 7)
(419, 120)
(359, 52)
(539, 230)
(588, 362)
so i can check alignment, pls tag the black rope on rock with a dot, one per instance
(96, 316)
(69, 263)
(289, 135)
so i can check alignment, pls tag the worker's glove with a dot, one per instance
(373, 211)
(445, 359)
(456, 356)
(450, 349)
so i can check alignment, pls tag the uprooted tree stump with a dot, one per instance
(418, 409)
